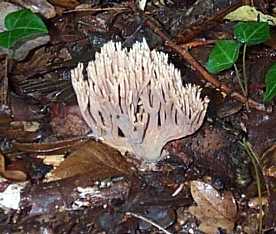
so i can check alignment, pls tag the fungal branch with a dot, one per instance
(135, 100)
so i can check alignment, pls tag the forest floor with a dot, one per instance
(58, 179)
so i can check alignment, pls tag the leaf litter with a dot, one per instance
(213, 210)
(95, 158)
(94, 188)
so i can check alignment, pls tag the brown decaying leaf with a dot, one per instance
(213, 210)
(54, 160)
(96, 158)
(69, 4)
(269, 161)
(38, 6)
(3, 83)
(28, 126)
(10, 174)
(50, 148)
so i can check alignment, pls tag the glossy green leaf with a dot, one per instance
(9, 38)
(24, 19)
(22, 24)
(252, 33)
(223, 56)
(270, 83)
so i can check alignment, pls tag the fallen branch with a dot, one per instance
(186, 55)
(197, 43)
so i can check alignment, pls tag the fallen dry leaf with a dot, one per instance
(53, 160)
(10, 174)
(69, 4)
(96, 158)
(213, 210)
(251, 223)
(248, 13)
(28, 126)
(38, 6)
(268, 160)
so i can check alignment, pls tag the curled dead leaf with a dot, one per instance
(268, 160)
(38, 6)
(15, 175)
(93, 157)
(213, 210)
(68, 4)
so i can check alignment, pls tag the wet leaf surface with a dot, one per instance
(223, 56)
(252, 33)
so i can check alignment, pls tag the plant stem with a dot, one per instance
(258, 170)
(149, 221)
(239, 79)
(244, 71)
(245, 80)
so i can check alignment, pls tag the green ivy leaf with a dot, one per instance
(9, 38)
(270, 83)
(22, 24)
(252, 33)
(223, 56)
(24, 19)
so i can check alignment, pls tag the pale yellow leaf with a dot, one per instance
(248, 13)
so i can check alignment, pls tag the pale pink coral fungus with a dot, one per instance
(135, 100)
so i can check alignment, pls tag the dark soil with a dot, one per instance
(38, 90)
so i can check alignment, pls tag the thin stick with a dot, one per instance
(197, 43)
(95, 9)
(178, 190)
(149, 221)
(204, 73)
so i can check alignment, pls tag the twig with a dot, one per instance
(149, 221)
(197, 43)
(4, 81)
(178, 190)
(186, 55)
(96, 9)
